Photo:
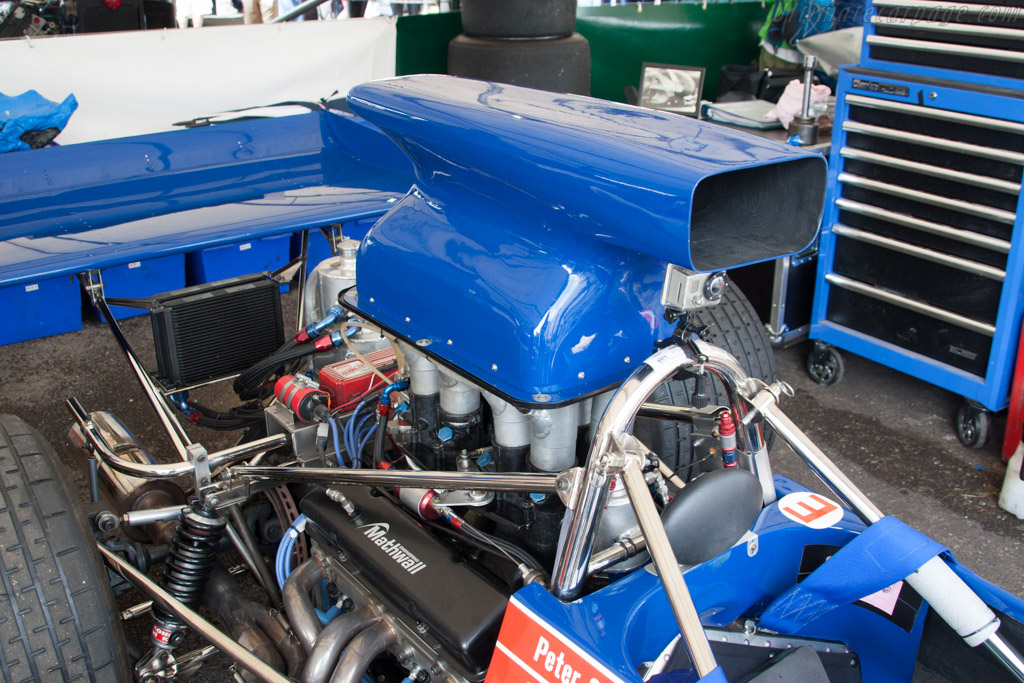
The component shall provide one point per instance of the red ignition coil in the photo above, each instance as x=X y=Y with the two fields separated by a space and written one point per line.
x=307 y=402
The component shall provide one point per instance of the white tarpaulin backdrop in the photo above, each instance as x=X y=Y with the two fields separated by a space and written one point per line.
x=140 y=82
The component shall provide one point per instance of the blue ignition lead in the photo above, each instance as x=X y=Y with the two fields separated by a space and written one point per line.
x=337 y=446
x=350 y=430
x=283 y=560
x=358 y=442
x=283 y=564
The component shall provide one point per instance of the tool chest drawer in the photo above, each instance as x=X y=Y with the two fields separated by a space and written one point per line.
x=979 y=41
x=919 y=264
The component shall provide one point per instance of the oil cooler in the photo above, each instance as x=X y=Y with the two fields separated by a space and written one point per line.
x=216 y=329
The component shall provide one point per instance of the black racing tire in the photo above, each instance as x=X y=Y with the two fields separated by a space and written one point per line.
x=518 y=18
x=555 y=64
x=734 y=326
x=58 y=620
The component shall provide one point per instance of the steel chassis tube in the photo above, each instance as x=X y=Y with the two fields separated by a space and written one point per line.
x=252 y=559
x=818 y=462
x=578 y=545
x=211 y=633
x=175 y=431
x=658 y=546
x=613 y=554
x=165 y=471
x=473 y=481
x=300 y=324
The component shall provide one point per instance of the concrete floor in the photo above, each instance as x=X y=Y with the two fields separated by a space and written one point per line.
x=892 y=434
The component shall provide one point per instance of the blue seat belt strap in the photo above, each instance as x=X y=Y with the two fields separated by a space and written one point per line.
x=886 y=552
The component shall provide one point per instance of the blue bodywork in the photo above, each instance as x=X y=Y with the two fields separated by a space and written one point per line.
x=546 y=221
x=629 y=622
x=530 y=253
x=67 y=209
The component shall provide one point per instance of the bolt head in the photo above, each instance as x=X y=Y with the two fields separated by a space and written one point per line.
x=581 y=375
x=106 y=522
x=494 y=367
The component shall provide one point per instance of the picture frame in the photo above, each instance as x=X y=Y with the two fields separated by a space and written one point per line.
x=672 y=88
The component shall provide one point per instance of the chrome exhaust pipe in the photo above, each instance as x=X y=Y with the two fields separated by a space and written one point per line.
x=362 y=651
x=297 y=604
x=334 y=638
x=130 y=494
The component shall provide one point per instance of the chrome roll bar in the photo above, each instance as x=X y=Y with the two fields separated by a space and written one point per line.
x=577 y=545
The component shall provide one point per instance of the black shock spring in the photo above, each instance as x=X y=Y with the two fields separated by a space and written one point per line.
x=192 y=554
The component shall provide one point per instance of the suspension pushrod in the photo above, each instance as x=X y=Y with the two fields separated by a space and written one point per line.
x=201 y=626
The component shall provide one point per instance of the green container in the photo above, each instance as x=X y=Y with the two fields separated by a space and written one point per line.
x=622 y=38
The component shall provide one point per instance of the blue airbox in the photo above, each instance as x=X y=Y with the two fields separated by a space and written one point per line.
x=532 y=249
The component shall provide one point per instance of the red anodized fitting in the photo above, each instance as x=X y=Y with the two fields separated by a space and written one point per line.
x=727 y=437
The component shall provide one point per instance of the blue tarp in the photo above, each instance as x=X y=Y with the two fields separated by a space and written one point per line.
x=30 y=111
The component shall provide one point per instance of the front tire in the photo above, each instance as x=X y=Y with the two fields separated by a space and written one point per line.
x=733 y=325
x=58 y=620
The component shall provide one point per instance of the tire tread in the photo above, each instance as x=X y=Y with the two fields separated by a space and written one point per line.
x=732 y=324
x=49 y=574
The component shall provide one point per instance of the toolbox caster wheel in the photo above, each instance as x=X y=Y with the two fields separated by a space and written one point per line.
x=973 y=424
x=825 y=365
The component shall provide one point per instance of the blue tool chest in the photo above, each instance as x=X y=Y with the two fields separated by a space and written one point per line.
x=920 y=264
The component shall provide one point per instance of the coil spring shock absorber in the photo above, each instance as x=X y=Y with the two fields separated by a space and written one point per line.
x=192 y=554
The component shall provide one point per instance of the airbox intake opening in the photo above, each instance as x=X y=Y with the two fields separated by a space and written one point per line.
x=755 y=214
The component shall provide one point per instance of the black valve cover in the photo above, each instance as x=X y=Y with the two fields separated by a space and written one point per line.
x=401 y=560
